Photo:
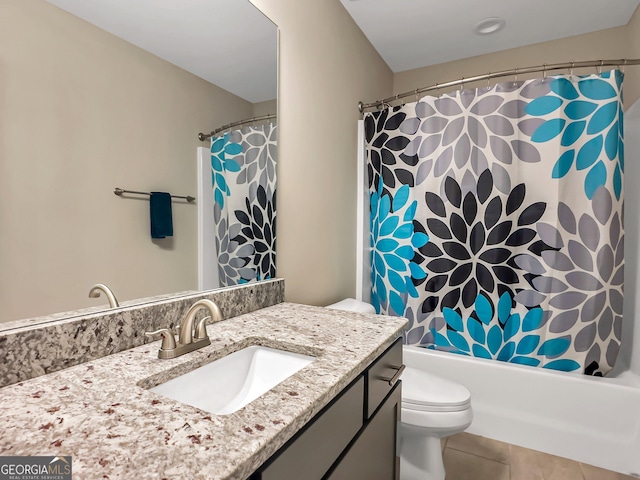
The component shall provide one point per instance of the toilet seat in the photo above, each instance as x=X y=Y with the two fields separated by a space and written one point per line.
x=425 y=392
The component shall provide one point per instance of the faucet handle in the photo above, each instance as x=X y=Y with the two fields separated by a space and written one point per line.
x=168 y=340
x=201 y=328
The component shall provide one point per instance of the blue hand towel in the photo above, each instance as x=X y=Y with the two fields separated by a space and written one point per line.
x=161 y=219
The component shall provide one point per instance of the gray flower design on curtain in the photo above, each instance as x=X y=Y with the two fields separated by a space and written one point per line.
x=243 y=171
x=496 y=220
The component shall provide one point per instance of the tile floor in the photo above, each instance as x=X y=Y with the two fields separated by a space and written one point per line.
x=470 y=457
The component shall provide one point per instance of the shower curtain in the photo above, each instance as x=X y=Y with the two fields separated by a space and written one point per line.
x=496 y=220
x=243 y=173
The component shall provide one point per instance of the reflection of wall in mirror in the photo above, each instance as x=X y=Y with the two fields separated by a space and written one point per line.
x=83 y=112
x=269 y=107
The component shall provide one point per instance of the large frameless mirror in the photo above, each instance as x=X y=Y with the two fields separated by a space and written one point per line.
x=112 y=94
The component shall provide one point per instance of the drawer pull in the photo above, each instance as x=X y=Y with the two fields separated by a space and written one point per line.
x=396 y=376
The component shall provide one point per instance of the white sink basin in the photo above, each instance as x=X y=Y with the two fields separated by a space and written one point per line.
x=228 y=384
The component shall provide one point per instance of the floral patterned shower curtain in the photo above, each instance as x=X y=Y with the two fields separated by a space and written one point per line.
x=497 y=220
x=243 y=171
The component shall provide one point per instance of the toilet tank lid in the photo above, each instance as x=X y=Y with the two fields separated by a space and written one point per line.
x=353 y=305
x=422 y=388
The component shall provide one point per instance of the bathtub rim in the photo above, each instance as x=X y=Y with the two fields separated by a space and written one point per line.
x=623 y=378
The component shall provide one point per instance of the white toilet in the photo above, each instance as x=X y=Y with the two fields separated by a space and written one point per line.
x=432 y=408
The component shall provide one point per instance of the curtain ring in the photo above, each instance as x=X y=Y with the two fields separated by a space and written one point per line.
x=461 y=83
x=544 y=72
x=623 y=65
x=488 y=78
x=515 y=78
x=571 y=69
x=438 y=90
x=599 y=68
x=417 y=95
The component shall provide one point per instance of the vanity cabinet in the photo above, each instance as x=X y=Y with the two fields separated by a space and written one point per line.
x=373 y=455
x=317 y=446
x=354 y=437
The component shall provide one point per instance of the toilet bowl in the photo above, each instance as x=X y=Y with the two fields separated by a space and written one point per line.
x=432 y=408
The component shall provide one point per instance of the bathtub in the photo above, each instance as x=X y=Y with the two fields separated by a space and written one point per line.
x=590 y=420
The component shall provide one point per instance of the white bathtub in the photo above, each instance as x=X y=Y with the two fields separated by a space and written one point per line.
x=590 y=420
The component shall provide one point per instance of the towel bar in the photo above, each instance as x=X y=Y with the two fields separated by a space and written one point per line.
x=120 y=191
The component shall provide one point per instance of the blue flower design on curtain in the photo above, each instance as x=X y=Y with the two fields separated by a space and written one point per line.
x=508 y=201
x=243 y=169
x=500 y=334
x=590 y=129
x=393 y=240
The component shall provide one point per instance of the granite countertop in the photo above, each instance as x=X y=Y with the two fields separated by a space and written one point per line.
x=102 y=414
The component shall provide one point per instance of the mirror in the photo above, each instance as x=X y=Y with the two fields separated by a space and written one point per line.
x=88 y=104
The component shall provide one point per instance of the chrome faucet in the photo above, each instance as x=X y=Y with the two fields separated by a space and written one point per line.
x=100 y=287
x=188 y=339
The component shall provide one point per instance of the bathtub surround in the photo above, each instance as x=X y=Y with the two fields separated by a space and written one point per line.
x=33 y=348
x=496 y=220
x=101 y=413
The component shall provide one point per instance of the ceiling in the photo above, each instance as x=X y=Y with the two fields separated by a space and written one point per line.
x=232 y=44
x=410 y=34
x=229 y=43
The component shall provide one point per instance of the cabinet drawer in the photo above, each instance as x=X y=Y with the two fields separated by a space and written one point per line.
x=317 y=447
x=379 y=374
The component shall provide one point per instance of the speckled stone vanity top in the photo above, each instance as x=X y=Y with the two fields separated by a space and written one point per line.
x=102 y=414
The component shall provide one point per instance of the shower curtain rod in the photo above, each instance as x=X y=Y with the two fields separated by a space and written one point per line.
x=202 y=137
x=504 y=73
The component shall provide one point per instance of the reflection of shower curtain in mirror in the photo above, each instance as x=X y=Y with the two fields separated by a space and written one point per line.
x=243 y=170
